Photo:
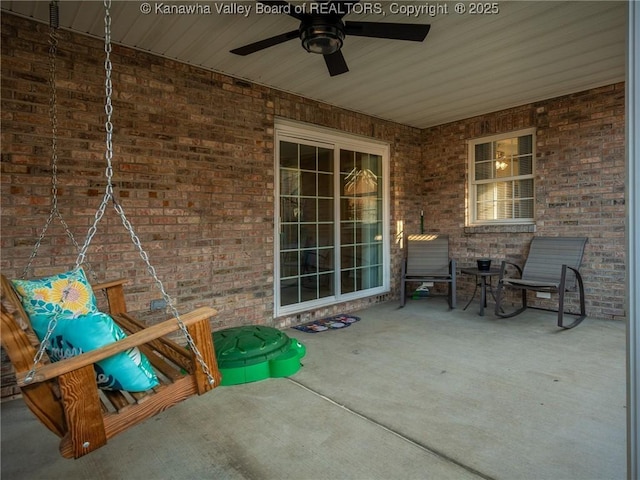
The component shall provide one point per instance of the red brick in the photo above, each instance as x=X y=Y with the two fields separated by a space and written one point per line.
x=193 y=169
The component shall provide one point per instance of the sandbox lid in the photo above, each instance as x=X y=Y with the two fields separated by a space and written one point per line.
x=251 y=353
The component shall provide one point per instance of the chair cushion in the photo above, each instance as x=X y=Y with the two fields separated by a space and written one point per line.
x=80 y=328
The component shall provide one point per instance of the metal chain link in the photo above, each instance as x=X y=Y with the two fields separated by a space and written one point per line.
x=51 y=326
x=53 y=118
x=109 y=196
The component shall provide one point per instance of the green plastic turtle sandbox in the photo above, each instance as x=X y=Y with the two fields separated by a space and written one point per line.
x=252 y=353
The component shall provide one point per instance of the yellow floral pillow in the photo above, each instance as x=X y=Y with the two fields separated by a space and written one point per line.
x=66 y=295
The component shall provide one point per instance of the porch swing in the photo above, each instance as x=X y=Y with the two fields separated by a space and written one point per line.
x=86 y=394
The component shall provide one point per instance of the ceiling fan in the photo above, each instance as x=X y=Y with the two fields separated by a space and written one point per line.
x=322 y=30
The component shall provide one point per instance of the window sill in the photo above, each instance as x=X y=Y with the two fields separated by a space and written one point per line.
x=521 y=228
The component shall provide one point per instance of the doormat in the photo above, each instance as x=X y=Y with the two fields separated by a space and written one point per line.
x=330 y=323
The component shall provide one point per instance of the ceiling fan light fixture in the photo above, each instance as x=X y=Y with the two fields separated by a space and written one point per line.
x=322 y=39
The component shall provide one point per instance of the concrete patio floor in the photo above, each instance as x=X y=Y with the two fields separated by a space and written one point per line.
x=414 y=393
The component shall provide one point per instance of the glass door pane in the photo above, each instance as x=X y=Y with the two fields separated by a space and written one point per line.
x=361 y=235
x=307 y=266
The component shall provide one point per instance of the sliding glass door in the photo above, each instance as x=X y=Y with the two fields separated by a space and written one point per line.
x=331 y=240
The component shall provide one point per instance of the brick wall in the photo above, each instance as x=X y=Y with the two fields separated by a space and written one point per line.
x=194 y=170
x=580 y=175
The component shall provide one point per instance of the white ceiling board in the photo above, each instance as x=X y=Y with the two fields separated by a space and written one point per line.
x=468 y=65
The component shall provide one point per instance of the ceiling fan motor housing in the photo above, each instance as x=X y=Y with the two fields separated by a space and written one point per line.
x=320 y=36
x=322 y=31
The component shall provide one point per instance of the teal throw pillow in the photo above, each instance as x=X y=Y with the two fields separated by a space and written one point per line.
x=129 y=370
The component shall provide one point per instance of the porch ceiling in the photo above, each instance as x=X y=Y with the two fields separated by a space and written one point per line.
x=468 y=65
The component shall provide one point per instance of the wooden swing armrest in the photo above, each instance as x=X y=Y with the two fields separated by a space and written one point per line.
x=115 y=295
x=153 y=332
x=110 y=284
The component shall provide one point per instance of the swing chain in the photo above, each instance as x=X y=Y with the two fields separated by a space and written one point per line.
x=152 y=271
x=53 y=118
x=109 y=196
x=51 y=326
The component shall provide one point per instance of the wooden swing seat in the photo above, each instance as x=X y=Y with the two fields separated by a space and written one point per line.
x=64 y=395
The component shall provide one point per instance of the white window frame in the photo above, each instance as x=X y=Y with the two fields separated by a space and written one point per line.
x=473 y=183
x=287 y=130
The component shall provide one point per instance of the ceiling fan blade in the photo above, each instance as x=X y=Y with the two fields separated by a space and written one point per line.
x=266 y=43
x=285 y=6
x=393 y=31
x=336 y=63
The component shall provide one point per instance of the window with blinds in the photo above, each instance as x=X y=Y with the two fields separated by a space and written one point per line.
x=501 y=179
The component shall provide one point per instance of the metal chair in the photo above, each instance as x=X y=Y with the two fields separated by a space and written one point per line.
x=428 y=261
x=552 y=266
